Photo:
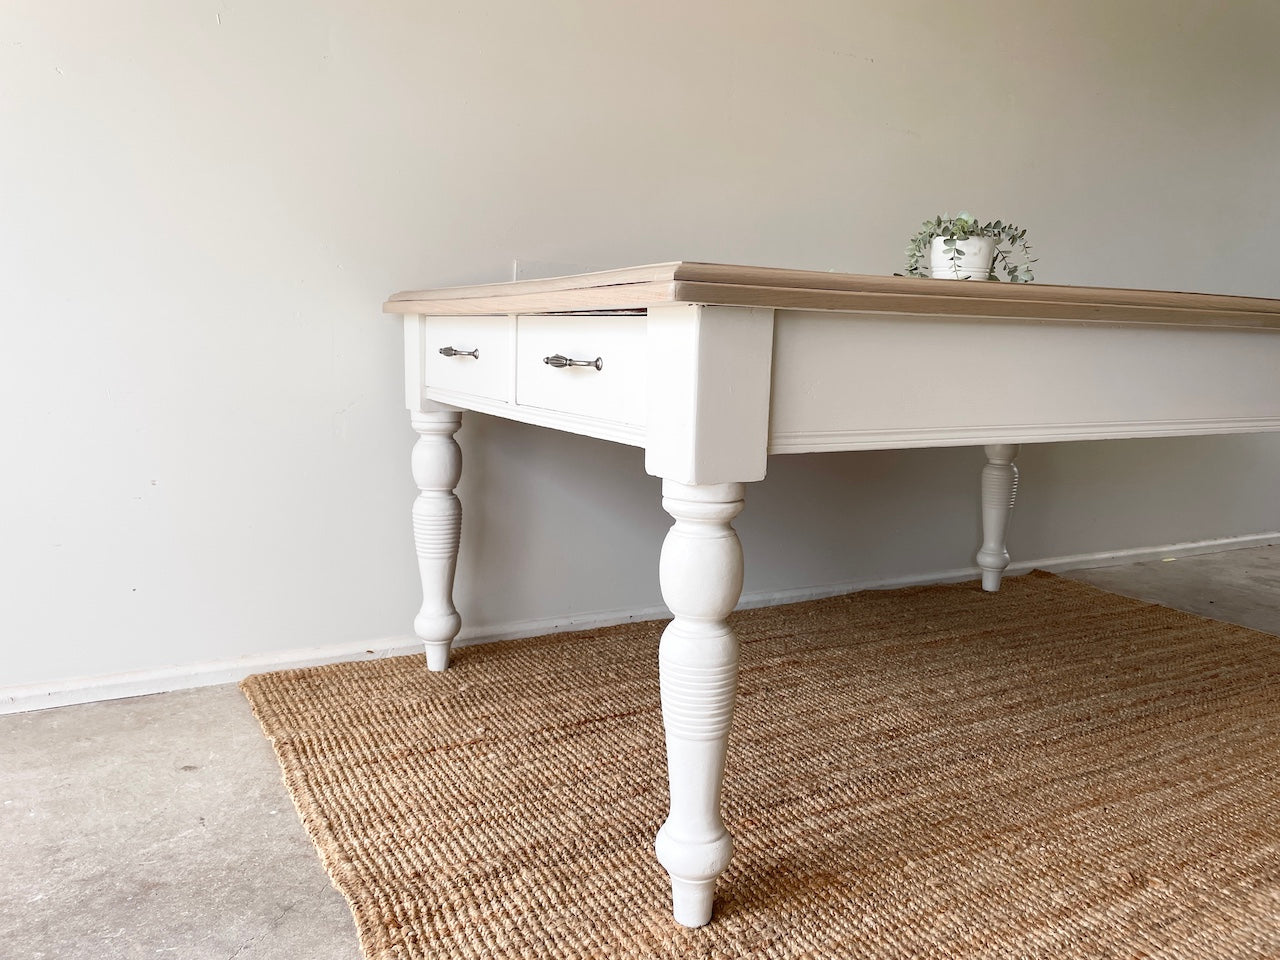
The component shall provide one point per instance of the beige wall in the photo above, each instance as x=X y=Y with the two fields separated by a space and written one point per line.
x=205 y=203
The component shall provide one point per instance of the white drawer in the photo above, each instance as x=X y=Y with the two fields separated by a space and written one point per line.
x=491 y=374
x=614 y=392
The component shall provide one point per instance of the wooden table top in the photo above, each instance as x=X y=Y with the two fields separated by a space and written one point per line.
x=632 y=288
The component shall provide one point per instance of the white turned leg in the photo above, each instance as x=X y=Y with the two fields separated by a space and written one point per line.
x=999 y=489
x=437 y=525
x=701 y=577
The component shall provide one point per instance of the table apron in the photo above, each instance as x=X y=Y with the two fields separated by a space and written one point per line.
x=844 y=382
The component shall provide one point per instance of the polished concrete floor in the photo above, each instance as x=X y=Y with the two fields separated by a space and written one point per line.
x=159 y=827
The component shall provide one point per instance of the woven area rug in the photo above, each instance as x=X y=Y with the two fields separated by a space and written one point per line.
x=1050 y=771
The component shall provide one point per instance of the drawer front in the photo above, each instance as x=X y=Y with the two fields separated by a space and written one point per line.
x=491 y=374
x=614 y=392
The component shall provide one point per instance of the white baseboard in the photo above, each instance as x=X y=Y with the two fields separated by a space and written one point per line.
x=1110 y=558
x=1104 y=558
x=73 y=690
x=137 y=683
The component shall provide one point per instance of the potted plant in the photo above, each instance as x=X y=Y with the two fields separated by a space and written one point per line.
x=961 y=248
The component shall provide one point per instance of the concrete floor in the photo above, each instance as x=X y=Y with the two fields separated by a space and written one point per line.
x=159 y=826
x=1239 y=586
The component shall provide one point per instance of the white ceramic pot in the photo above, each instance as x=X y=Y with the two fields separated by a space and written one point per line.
x=979 y=252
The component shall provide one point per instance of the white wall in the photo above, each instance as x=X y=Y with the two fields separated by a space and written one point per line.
x=204 y=204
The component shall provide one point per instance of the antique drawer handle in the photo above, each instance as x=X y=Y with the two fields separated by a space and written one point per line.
x=454 y=352
x=559 y=360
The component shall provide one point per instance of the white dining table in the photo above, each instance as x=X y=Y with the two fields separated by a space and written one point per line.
x=712 y=369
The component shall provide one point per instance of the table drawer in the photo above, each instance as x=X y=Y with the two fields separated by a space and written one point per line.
x=614 y=392
x=491 y=374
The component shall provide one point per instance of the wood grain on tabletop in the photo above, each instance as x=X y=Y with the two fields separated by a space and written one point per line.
x=680 y=281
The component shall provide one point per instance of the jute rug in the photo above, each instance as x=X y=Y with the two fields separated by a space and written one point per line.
x=1051 y=771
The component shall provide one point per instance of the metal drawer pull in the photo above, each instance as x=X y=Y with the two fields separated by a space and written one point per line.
x=560 y=360
x=452 y=352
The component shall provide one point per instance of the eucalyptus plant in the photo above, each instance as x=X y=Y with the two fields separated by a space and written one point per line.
x=1013 y=253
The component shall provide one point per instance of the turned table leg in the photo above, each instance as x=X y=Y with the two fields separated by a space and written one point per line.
x=701 y=577
x=437 y=525
x=999 y=489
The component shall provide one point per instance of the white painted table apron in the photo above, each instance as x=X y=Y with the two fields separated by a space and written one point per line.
x=711 y=368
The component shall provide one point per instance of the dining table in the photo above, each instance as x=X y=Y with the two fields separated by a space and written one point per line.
x=712 y=369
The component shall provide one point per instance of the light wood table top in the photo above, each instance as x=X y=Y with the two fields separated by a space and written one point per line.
x=633 y=288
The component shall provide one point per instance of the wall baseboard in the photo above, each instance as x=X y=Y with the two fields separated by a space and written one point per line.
x=73 y=690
